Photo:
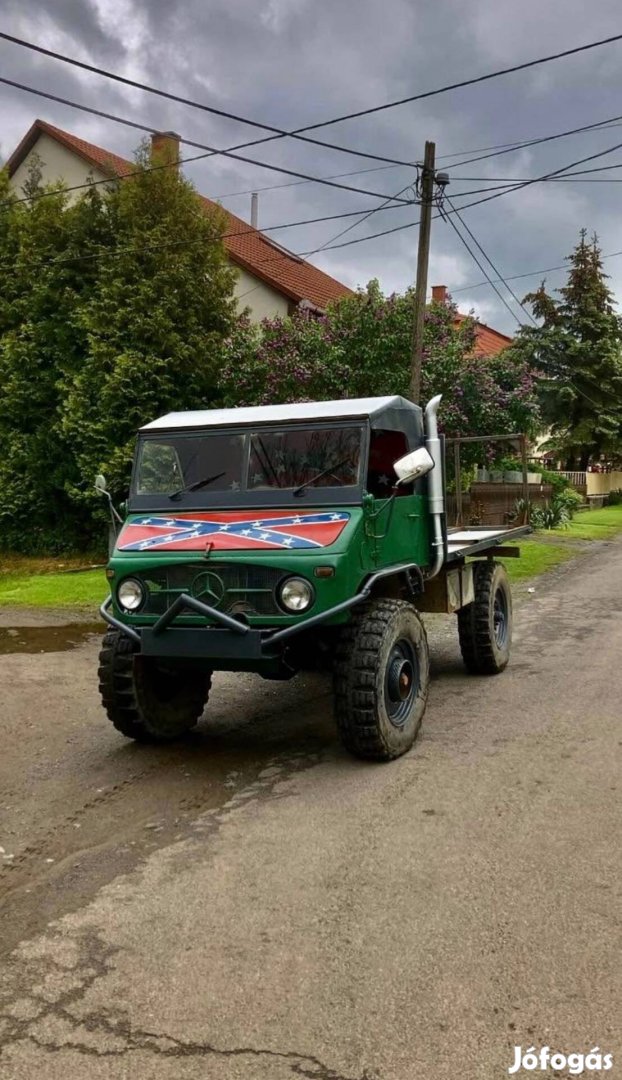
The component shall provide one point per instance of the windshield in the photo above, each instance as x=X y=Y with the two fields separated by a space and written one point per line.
x=170 y=465
x=196 y=466
x=293 y=458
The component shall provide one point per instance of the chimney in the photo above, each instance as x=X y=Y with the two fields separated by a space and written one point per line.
x=439 y=294
x=254 y=209
x=165 y=148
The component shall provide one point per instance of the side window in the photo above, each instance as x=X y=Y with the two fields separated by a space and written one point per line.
x=159 y=469
x=385 y=447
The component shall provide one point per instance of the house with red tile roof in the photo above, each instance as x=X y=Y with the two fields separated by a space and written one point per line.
x=488 y=342
x=271 y=280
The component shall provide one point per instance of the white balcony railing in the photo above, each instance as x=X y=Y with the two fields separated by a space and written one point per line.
x=577 y=479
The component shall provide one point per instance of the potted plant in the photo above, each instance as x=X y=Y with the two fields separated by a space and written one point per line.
x=512 y=470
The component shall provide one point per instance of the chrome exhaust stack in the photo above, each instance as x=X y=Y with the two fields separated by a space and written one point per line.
x=436 y=494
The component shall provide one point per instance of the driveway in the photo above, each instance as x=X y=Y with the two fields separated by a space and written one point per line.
x=253 y=903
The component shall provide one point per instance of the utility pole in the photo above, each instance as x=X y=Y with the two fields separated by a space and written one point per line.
x=423 y=256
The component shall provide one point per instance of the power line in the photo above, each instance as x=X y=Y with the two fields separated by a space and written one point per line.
x=482 y=268
x=302 y=178
x=51 y=193
x=186 y=161
x=108 y=180
x=212 y=151
x=301 y=183
x=531 y=273
x=546 y=176
x=507 y=182
x=522 y=179
x=506 y=189
x=490 y=262
x=463 y=83
x=226 y=236
x=355 y=224
x=517 y=144
x=510 y=148
x=277 y=133
x=385 y=232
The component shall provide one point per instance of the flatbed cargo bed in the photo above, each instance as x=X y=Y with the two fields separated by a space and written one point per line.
x=475 y=539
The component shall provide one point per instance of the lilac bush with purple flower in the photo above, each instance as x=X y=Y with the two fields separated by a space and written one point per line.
x=361 y=348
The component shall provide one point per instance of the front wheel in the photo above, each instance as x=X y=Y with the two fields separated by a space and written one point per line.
x=382 y=675
x=147 y=699
x=485 y=626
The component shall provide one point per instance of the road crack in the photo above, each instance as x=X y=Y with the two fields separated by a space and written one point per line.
x=53 y=1003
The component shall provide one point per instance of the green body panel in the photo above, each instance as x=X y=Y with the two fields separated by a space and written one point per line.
x=379 y=535
x=400 y=531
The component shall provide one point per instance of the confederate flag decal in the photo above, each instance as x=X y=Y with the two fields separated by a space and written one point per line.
x=230 y=530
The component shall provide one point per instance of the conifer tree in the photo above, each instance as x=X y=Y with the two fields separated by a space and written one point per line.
x=578 y=351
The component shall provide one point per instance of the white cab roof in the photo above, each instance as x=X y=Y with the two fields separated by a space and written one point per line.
x=271 y=414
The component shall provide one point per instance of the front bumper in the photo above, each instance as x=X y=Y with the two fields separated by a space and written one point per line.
x=231 y=639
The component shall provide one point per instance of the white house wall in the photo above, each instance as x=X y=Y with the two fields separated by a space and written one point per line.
x=263 y=301
x=59 y=163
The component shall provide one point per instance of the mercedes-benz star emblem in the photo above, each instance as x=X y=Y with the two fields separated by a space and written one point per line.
x=209 y=588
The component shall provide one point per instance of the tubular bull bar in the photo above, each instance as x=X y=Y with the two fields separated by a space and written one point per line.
x=232 y=638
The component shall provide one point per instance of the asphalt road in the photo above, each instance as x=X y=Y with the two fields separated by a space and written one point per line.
x=254 y=904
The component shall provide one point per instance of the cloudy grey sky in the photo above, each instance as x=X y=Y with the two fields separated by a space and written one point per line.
x=296 y=62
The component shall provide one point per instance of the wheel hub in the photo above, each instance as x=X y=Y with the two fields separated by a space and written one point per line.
x=401 y=681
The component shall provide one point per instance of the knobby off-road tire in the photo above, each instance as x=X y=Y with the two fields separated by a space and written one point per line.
x=485 y=626
x=147 y=699
x=382 y=676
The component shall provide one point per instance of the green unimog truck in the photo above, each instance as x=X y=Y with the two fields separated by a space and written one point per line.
x=285 y=538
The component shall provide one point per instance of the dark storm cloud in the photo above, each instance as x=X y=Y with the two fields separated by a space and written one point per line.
x=293 y=62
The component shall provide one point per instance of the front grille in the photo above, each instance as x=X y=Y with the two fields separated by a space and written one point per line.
x=228 y=587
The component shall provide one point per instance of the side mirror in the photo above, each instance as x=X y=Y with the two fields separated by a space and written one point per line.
x=413 y=465
x=100 y=486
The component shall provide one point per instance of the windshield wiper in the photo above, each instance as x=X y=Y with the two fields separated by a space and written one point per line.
x=197 y=484
x=318 y=476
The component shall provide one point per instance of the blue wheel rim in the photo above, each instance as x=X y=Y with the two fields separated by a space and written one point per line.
x=500 y=615
x=401 y=682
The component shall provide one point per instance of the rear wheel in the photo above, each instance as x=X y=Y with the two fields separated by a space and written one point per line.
x=147 y=699
x=382 y=675
x=485 y=626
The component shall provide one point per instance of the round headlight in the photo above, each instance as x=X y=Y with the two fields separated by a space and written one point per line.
x=131 y=594
x=296 y=594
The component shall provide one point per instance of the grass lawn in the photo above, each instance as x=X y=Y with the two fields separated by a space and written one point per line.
x=549 y=548
x=29 y=582
x=595 y=524
x=536 y=557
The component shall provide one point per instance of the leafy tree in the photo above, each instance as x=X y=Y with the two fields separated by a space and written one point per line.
x=577 y=350
x=162 y=301
x=112 y=308
x=46 y=273
x=362 y=346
